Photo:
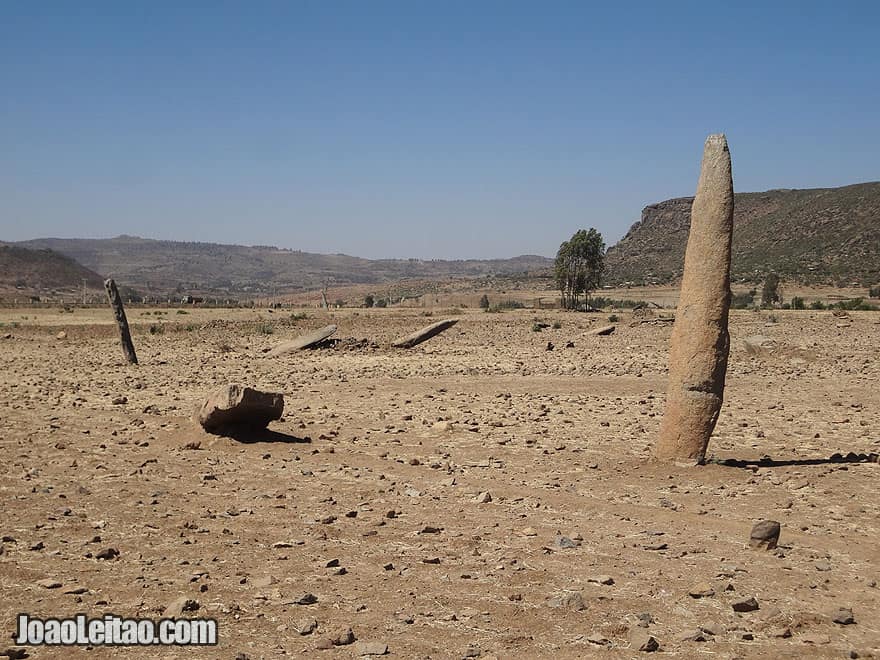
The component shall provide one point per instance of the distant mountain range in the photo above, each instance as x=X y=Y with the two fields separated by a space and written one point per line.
x=165 y=266
x=38 y=270
x=823 y=235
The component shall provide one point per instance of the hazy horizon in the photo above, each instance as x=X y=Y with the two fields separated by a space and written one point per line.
x=392 y=130
x=376 y=258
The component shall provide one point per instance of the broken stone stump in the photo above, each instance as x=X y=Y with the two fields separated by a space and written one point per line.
x=238 y=406
x=700 y=340
x=121 y=321
x=303 y=341
x=424 y=334
x=765 y=535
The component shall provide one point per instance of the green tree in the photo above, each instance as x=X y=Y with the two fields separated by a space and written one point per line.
x=770 y=292
x=369 y=301
x=484 y=302
x=580 y=263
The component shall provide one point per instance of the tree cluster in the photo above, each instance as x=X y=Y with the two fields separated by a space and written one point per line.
x=580 y=263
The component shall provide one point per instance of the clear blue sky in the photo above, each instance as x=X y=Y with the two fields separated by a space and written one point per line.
x=417 y=129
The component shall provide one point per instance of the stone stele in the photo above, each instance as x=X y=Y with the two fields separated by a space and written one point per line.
x=700 y=341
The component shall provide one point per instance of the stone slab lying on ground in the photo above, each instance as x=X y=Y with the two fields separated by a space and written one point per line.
x=424 y=334
x=303 y=341
x=604 y=330
x=236 y=405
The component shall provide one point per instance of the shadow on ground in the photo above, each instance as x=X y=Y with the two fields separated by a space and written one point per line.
x=249 y=434
x=766 y=461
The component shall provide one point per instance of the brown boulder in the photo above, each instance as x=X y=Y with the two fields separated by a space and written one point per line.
x=239 y=406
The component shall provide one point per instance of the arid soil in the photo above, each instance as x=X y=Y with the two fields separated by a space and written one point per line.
x=485 y=496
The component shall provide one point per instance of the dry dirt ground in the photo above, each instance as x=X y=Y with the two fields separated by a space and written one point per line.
x=380 y=467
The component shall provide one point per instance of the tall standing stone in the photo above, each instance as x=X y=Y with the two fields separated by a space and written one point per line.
x=700 y=341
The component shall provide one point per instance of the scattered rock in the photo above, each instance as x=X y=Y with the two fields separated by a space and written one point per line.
x=178 y=607
x=844 y=617
x=765 y=535
x=712 y=629
x=645 y=619
x=343 y=638
x=236 y=405
x=304 y=599
x=61 y=335
x=306 y=626
x=607 y=580
x=694 y=636
x=49 y=583
x=598 y=640
x=75 y=591
x=745 y=605
x=107 y=554
x=565 y=542
x=641 y=640
x=701 y=590
x=483 y=498
x=371 y=648
x=568 y=600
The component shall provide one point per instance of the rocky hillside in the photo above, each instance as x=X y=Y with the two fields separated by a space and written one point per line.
x=823 y=235
x=164 y=266
x=41 y=270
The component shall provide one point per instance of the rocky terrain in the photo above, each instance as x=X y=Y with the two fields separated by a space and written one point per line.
x=478 y=495
x=825 y=235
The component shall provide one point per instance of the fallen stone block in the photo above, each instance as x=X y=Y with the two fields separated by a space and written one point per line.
x=424 y=334
x=303 y=341
x=239 y=406
x=604 y=330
